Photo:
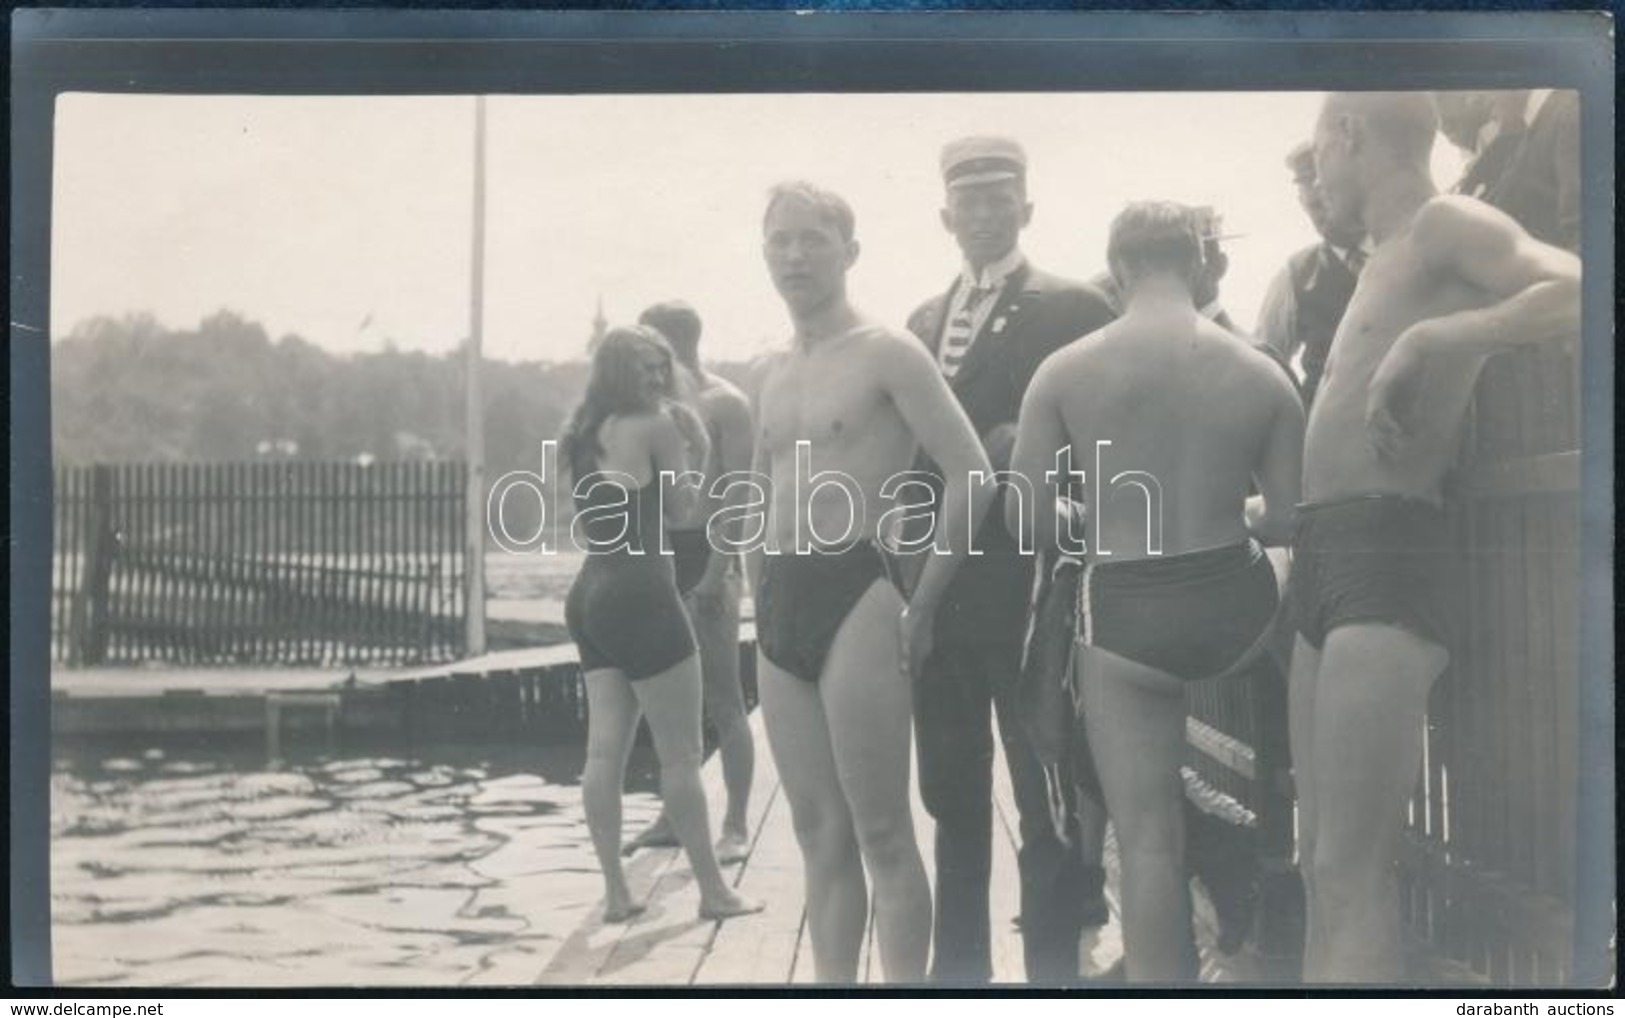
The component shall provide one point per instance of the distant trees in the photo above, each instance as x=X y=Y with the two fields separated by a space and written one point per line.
x=129 y=389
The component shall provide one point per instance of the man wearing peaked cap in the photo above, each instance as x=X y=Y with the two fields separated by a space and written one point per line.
x=982 y=160
x=989 y=330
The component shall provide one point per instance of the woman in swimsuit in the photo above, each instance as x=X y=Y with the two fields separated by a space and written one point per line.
x=624 y=445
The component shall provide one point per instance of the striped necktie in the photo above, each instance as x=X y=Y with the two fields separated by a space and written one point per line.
x=961 y=330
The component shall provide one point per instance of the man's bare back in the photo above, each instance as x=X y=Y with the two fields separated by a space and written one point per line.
x=829 y=399
x=1180 y=399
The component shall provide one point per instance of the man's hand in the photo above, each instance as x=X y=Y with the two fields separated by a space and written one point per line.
x=713 y=585
x=916 y=631
x=1390 y=407
x=692 y=428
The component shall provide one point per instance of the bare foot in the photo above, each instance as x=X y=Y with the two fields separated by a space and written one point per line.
x=731 y=903
x=623 y=911
x=732 y=848
x=656 y=835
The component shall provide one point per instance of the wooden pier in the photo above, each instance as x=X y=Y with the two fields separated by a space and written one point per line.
x=668 y=945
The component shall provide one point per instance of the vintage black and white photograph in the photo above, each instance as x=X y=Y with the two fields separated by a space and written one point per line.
x=1071 y=537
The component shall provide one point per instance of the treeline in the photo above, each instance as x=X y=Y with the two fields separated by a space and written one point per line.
x=132 y=390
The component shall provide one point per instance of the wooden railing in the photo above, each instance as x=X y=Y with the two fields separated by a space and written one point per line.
x=1489 y=877
x=293 y=563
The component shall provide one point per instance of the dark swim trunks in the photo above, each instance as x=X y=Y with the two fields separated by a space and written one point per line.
x=1200 y=615
x=691 y=553
x=803 y=599
x=1377 y=558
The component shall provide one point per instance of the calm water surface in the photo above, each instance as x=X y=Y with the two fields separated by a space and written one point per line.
x=201 y=863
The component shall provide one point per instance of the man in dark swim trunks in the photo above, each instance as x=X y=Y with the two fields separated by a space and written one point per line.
x=841 y=414
x=1450 y=282
x=709 y=580
x=989 y=331
x=1211 y=860
x=1172 y=419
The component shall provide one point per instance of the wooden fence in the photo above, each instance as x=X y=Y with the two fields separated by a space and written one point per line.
x=1489 y=878
x=1488 y=874
x=284 y=563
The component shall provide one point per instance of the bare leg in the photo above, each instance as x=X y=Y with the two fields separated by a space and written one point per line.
x=1371 y=697
x=868 y=702
x=716 y=630
x=1092 y=848
x=837 y=897
x=1136 y=723
x=1300 y=722
x=671 y=701
x=612 y=724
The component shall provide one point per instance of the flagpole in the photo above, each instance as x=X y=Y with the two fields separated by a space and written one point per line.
x=474 y=409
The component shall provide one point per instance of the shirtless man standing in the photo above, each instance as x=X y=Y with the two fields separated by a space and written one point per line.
x=1450 y=282
x=841 y=413
x=1173 y=420
x=708 y=577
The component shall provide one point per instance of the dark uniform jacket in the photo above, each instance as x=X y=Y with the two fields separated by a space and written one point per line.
x=1035 y=315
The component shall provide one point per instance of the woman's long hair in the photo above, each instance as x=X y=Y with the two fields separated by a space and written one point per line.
x=614 y=387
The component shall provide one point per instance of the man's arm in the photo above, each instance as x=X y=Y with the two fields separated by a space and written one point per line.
x=926 y=404
x=760 y=468
x=731 y=419
x=1538 y=291
x=1040 y=435
x=1538 y=284
x=679 y=497
x=691 y=428
x=1279 y=475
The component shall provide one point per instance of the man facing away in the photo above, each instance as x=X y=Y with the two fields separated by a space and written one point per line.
x=1450 y=282
x=841 y=415
x=1172 y=420
x=708 y=576
x=1306 y=301
x=989 y=332
x=1215 y=263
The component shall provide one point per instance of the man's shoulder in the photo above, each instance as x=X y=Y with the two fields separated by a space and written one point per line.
x=1447 y=210
x=1447 y=223
x=889 y=353
x=1258 y=364
x=720 y=397
x=1087 y=355
x=883 y=339
x=921 y=320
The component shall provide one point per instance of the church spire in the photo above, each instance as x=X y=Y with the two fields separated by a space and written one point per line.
x=600 y=325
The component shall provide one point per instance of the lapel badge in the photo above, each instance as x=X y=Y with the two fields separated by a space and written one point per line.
x=998 y=325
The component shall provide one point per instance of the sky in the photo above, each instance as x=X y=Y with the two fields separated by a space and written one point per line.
x=347 y=220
